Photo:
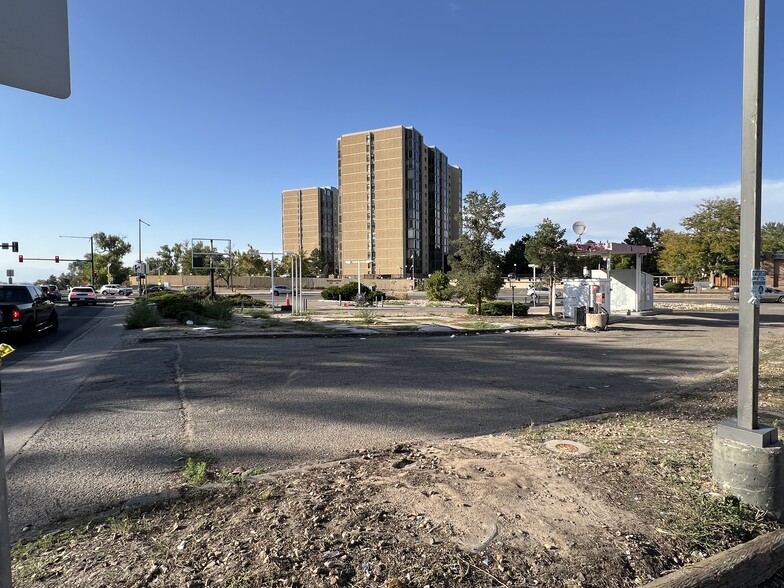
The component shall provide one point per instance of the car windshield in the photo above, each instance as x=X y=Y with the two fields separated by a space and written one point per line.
x=82 y=289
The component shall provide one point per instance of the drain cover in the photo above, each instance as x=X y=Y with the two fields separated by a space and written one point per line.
x=567 y=447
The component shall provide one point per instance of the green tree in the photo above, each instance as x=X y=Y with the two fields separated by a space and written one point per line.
x=548 y=249
x=475 y=265
x=438 y=287
x=109 y=251
x=168 y=259
x=514 y=260
x=715 y=229
x=680 y=255
x=251 y=263
x=772 y=237
x=647 y=237
x=320 y=264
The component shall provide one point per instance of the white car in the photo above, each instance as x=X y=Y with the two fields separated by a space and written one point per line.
x=542 y=292
x=82 y=295
x=278 y=290
x=114 y=289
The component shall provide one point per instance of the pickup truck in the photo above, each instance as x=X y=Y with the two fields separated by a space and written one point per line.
x=25 y=311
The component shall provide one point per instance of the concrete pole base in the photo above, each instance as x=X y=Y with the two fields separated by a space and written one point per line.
x=753 y=473
x=596 y=321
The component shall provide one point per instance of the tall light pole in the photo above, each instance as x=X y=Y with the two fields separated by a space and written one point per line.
x=140 y=254
x=92 y=254
x=515 y=271
x=359 y=263
x=748 y=458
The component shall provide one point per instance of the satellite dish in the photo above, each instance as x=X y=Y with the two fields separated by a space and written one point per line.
x=579 y=228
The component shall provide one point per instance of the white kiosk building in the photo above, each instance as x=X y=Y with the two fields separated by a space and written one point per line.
x=614 y=292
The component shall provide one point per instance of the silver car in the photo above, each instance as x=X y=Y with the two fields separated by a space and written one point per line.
x=772 y=295
x=114 y=289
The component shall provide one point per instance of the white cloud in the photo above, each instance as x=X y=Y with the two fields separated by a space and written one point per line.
x=610 y=215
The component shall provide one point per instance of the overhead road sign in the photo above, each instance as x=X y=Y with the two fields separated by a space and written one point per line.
x=34 y=52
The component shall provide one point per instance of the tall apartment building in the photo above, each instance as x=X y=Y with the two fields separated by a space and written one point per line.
x=398 y=201
x=310 y=221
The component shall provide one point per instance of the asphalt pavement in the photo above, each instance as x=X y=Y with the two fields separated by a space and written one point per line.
x=123 y=411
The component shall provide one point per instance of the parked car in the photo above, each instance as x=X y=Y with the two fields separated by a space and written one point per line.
x=82 y=295
x=735 y=293
x=25 y=311
x=115 y=289
x=278 y=290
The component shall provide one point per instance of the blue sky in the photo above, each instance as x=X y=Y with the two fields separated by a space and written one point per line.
x=195 y=115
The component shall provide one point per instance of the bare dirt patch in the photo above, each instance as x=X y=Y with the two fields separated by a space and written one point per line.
x=633 y=501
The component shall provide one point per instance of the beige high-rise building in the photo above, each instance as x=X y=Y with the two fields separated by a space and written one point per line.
x=398 y=200
x=310 y=222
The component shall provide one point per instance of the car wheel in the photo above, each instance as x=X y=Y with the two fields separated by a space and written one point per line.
x=781 y=298
x=54 y=322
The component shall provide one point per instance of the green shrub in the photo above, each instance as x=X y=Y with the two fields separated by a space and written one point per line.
x=330 y=293
x=219 y=310
x=140 y=316
x=348 y=291
x=500 y=308
x=437 y=286
x=174 y=305
x=243 y=300
x=674 y=287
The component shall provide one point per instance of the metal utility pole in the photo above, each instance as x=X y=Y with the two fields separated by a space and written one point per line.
x=359 y=263
x=750 y=204
x=139 y=275
x=748 y=458
x=92 y=255
x=272 y=255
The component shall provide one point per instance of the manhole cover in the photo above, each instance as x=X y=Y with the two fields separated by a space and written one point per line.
x=567 y=447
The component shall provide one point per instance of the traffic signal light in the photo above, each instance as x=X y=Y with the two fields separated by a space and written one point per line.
x=57 y=259
x=21 y=258
x=15 y=246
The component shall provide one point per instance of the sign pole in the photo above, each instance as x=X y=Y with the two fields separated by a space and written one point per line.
x=748 y=458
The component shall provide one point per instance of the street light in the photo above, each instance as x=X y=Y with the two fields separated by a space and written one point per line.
x=140 y=255
x=359 y=263
x=515 y=271
x=92 y=254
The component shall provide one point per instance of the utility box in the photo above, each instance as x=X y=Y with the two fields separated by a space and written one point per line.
x=580 y=293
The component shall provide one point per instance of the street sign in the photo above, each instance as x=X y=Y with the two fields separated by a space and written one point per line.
x=34 y=53
x=758 y=278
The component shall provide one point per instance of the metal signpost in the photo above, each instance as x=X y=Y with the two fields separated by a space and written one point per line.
x=212 y=254
x=748 y=458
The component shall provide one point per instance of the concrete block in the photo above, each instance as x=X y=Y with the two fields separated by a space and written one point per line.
x=754 y=474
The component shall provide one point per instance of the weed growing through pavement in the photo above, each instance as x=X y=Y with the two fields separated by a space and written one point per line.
x=195 y=471
x=367 y=317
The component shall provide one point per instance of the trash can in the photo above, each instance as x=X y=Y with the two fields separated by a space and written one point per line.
x=579 y=316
